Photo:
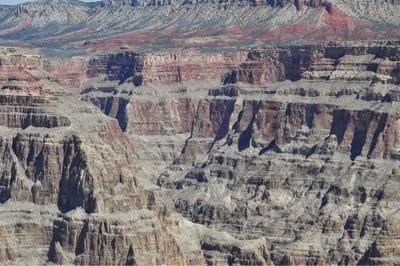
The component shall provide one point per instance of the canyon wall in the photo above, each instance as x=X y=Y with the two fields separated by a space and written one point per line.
x=193 y=132
x=284 y=155
x=296 y=146
x=68 y=189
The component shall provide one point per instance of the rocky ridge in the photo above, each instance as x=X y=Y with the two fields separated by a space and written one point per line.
x=258 y=150
x=112 y=25
x=269 y=155
x=64 y=190
x=284 y=148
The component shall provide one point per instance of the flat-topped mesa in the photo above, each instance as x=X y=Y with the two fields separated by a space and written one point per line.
x=375 y=63
x=152 y=68
x=24 y=93
x=53 y=169
x=22 y=74
x=193 y=109
x=21 y=110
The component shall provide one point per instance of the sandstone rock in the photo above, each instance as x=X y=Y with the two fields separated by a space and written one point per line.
x=279 y=152
x=286 y=154
x=80 y=187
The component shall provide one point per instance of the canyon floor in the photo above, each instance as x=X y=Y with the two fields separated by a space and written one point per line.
x=200 y=132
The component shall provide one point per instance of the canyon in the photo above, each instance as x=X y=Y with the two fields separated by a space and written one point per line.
x=200 y=132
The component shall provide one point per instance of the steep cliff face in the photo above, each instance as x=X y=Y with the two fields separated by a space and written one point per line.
x=68 y=189
x=349 y=62
x=293 y=149
x=371 y=61
x=131 y=141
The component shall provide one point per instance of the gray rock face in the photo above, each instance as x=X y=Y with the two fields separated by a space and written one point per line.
x=45 y=12
x=60 y=201
x=73 y=26
x=112 y=153
x=295 y=153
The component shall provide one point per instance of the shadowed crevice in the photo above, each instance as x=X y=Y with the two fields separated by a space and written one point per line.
x=227 y=110
x=269 y=147
x=378 y=132
x=360 y=134
x=245 y=137
x=357 y=143
x=122 y=115
x=80 y=244
x=339 y=124
x=310 y=114
x=130 y=258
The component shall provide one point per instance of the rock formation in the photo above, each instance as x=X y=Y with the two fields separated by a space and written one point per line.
x=287 y=145
x=84 y=182
x=255 y=133
x=112 y=25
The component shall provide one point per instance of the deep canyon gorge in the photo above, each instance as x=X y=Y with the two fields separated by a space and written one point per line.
x=180 y=132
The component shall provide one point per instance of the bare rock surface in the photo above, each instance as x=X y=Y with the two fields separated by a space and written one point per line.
x=200 y=132
x=64 y=191
x=73 y=26
x=292 y=149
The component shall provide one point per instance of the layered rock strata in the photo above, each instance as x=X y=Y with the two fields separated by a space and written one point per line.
x=75 y=26
x=285 y=155
x=294 y=147
x=68 y=188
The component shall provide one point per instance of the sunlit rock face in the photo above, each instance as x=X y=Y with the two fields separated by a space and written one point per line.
x=67 y=171
x=65 y=28
x=200 y=132
x=287 y=145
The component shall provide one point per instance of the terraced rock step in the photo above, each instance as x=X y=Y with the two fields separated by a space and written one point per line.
x=294 y=148
x=67 y=181
x=126 y=139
